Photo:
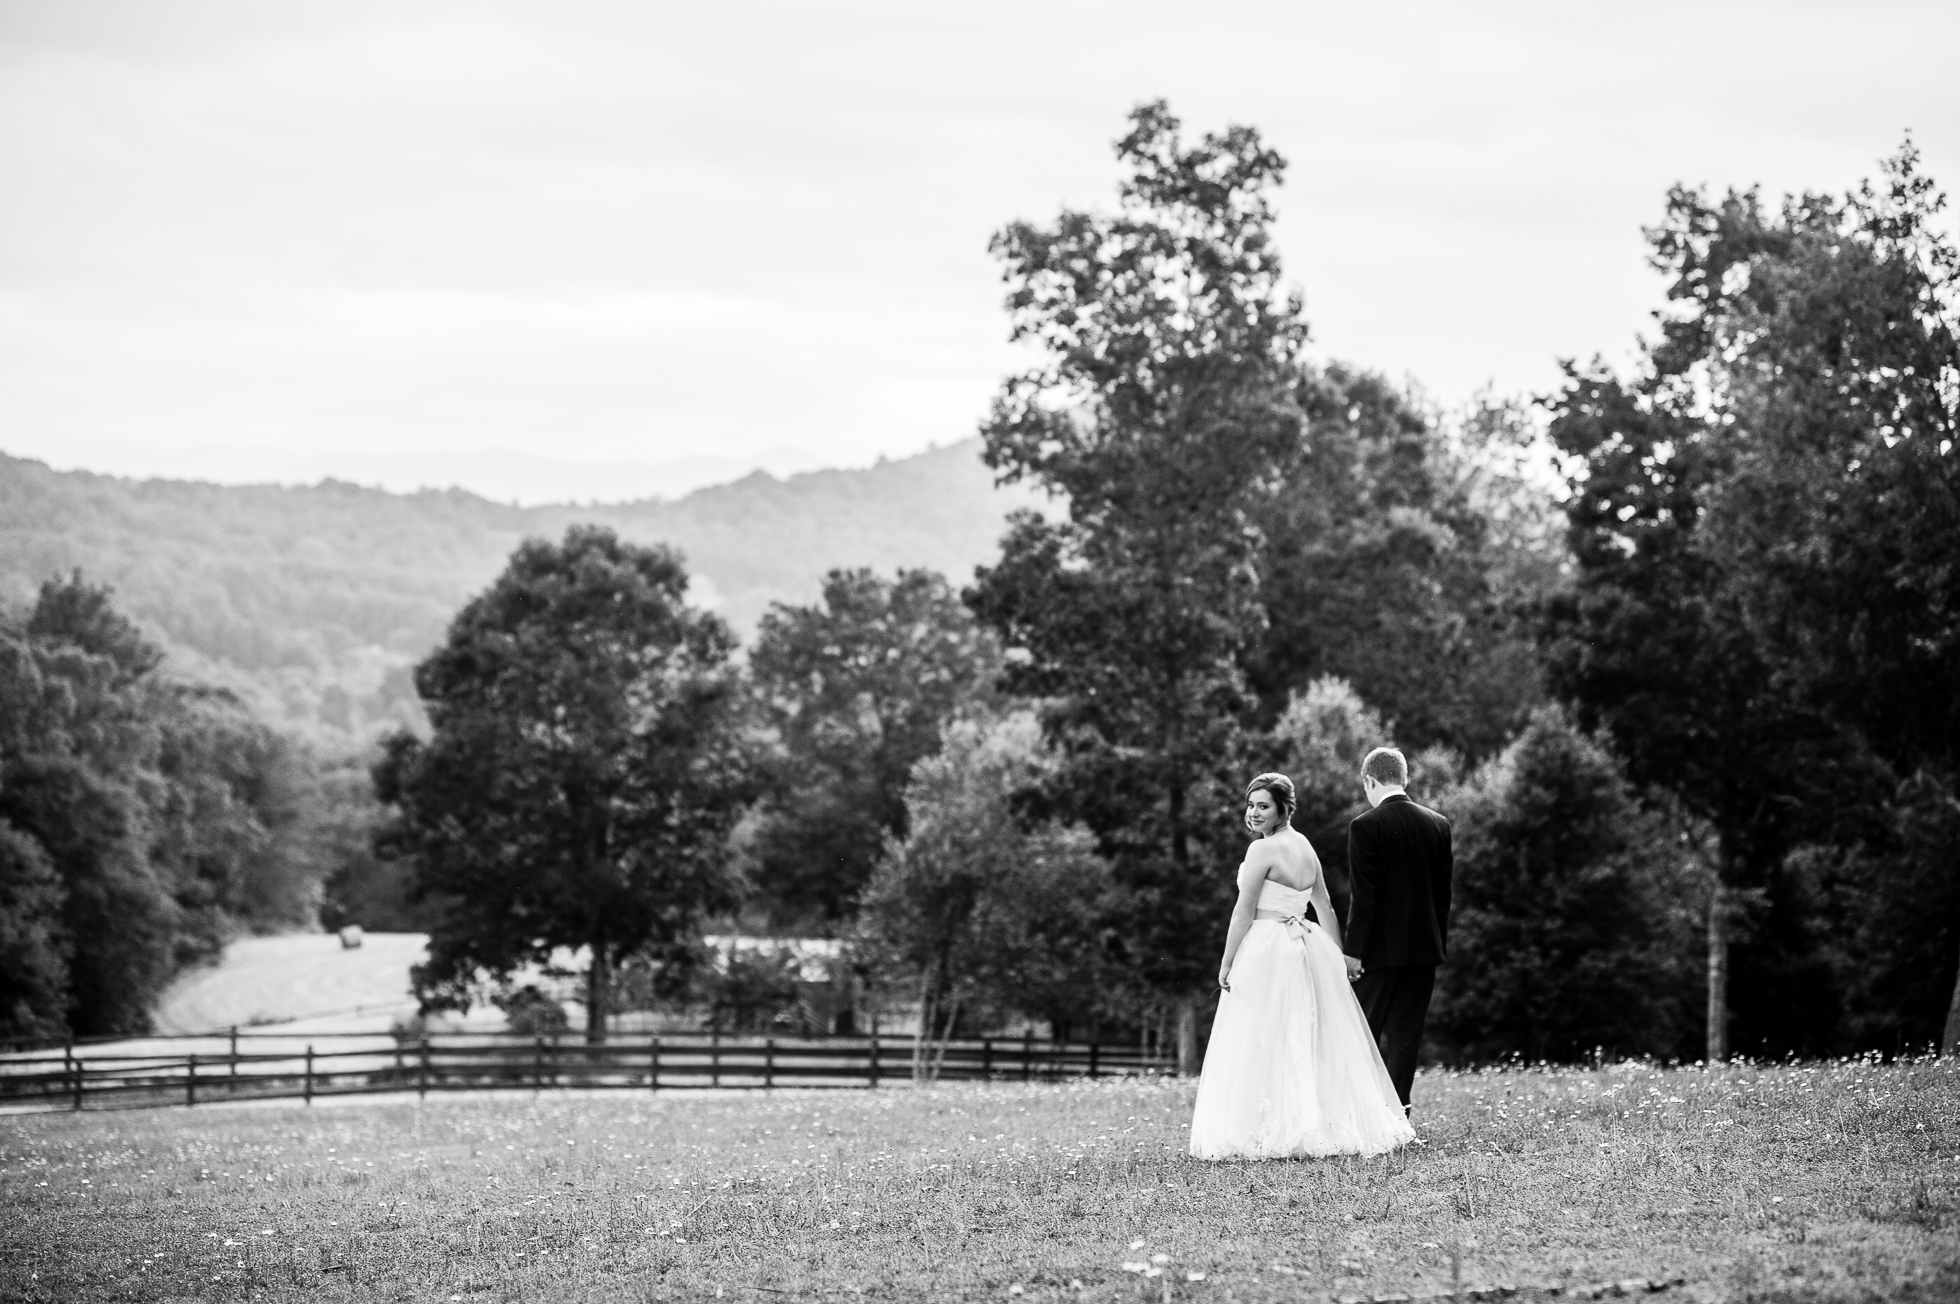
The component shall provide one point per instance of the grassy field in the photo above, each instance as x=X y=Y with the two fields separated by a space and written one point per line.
x=1824 y=1182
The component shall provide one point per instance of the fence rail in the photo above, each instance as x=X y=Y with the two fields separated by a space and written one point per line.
x=75 y=1079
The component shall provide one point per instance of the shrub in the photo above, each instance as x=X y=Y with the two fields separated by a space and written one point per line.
x=1575 y=913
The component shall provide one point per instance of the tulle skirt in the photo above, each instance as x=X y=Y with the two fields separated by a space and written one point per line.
x=1292 y=1069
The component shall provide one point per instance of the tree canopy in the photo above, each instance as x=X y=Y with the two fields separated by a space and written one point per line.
x=1160 y=413
x=1762 y=618
x=984 y=916
x=581 y=774
x=143 y=819
x=856 y=689
x=1575 y=912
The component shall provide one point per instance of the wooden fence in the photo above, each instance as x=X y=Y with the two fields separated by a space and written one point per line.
x=81 y=1077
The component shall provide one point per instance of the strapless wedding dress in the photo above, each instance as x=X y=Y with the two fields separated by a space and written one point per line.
x=1292 y=1068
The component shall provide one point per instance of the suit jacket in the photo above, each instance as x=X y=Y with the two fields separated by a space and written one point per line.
x=1399 y=864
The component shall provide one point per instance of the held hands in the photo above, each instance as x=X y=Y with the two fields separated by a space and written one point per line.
x=1354 y=968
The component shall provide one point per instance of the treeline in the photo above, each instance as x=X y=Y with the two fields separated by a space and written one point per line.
x=1765 y=614
x=1694 y=716
x=1019 y=799
x=312 y=602
x=143 y=820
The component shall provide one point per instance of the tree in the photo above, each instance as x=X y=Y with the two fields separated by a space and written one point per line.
x=1161 y=412
x=34 y=948
x=1764 y=614
x=1397 y=553
x=168 y=815
x=1574 y=912
x=582 y=773
x=362 y=888
x=239 y=823
x=120 y=915
x=985 y=916
x=1319 y=741
x=76 y=753
x=857 y=689
x=1652 y=644
x=1894 y=903
x=1829 y=334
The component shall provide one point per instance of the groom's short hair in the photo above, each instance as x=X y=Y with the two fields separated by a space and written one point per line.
x=1386 y=765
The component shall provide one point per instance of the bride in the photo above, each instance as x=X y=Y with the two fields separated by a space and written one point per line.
x=1292 y=1068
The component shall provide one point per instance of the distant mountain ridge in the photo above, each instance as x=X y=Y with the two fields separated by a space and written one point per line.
x=313 y=602
x=502 y=475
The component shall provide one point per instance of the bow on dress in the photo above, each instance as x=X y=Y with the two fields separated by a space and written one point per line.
x=1296 y=926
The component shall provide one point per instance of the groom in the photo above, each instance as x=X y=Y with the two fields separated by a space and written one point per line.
x=1399 y=861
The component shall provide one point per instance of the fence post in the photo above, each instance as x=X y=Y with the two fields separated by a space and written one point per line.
x=653 y=1069
x=874 y=1059
x=1027 y=1055
x=68 y=1058
x=1095 y=1048
x=80 y=1069
x=986 y=1059
x=537 y=1066
x=190 y=1082
x=422 y=1083
x=768 y=1061
x=309 y=1073
x=231 y=1059
x=714 y=1058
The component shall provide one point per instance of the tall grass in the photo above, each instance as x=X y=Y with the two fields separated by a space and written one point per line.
x=1830 y=1181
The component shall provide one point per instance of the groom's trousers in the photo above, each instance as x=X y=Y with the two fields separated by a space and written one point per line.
x=1396 y=1000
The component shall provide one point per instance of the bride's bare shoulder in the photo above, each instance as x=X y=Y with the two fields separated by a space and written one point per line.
x=1258 y=860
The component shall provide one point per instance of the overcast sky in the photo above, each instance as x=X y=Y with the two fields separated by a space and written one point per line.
x=275 y=240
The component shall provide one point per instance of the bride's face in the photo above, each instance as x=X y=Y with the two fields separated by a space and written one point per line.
x=1261 y=812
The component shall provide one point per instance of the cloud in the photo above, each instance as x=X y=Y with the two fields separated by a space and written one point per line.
x=605 y=232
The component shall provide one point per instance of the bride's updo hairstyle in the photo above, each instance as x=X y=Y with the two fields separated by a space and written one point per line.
x=1280 y=789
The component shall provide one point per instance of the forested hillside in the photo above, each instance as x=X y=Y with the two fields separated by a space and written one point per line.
x=313 y=602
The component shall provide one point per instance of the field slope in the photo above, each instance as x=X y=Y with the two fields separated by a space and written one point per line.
x=1831 y=1182
x=297 y=976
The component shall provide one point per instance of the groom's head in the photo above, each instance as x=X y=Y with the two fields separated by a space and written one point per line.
x=1383 y=771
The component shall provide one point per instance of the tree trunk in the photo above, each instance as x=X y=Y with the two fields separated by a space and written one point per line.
x=598 y=982
x=926 y=1012
x=939 y=1055
x=1718 y=972
x=1187 y=1036
x=1950 y=1039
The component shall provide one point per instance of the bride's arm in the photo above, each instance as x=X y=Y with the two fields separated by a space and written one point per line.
x=1251 y=875
x=1323 y=903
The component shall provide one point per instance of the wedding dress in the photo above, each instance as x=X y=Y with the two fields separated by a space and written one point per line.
x=1292 y=1068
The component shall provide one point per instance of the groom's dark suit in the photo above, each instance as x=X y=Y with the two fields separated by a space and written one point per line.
x=1399 y=861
